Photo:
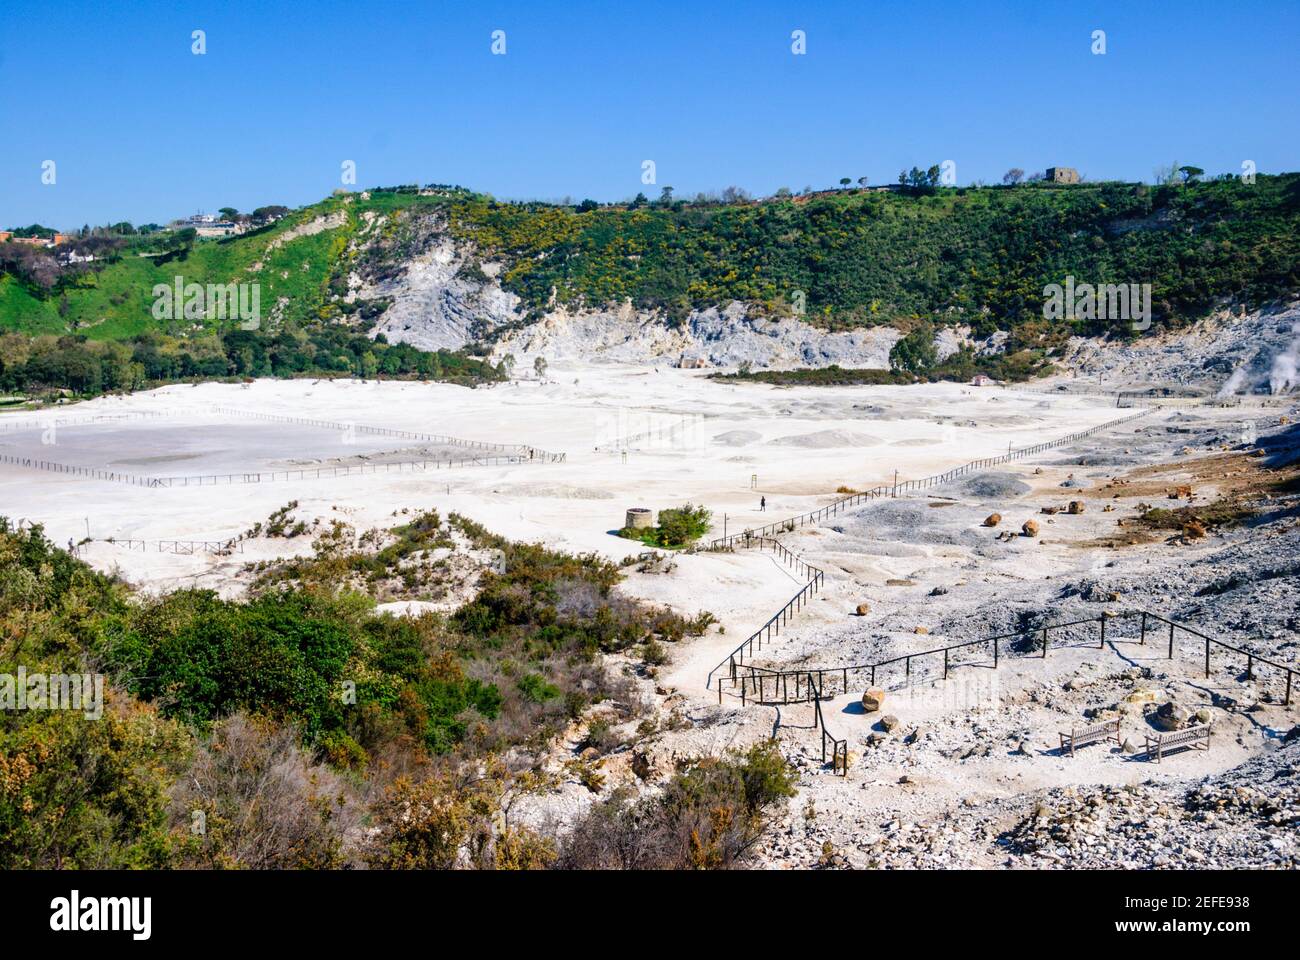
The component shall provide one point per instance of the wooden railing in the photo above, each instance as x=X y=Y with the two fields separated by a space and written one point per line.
x=755 y=640
x=892 y=490
x=770 y=686
x=522 y=450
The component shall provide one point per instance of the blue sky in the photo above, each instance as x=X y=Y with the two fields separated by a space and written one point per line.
x=142 y=129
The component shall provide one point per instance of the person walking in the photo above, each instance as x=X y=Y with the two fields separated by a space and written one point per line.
x=762 y=504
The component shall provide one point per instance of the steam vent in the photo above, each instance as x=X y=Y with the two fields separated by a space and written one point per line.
x=639 y=518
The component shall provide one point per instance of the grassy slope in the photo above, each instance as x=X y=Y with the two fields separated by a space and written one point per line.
x=116 y=301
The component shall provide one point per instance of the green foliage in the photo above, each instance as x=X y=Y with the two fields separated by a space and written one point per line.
x=914 y=353
x=923 y=253
x=978 y=256
x=678 y=527
x=88 y=367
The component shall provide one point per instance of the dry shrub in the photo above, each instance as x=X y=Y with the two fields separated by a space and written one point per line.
x=264 y=804
x=710 y=816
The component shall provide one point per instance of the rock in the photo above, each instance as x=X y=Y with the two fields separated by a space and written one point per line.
x=1127 y=747
x=1171 y=716
x=863 y=609
x=938 y=591
x=917 y=735
x=876 y=738
x=873 y=700
x=1024 y=749
x=889 y=723
x=1076 y=506
x=641 y=765
x=1051 y=511
x=1142 y=696
x=1030 y=528
x=921 y=630
x=1181 y=492
x=1038 y=471
x=1204 y=715
x=993 y=519
x=1194 y=530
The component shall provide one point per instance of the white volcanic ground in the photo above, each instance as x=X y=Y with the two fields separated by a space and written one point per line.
x=954 y=782
x=687 y=438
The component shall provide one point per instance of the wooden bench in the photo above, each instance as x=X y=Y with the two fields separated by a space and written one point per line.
x=1106 y=730
x=1197 y=737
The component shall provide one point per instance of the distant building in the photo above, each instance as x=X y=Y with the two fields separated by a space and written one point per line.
x=207 y=225
x=6 y=236
x=1062 y=175
x=981 y=380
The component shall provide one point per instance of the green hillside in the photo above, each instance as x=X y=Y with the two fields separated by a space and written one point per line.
x=980 y=256
x=909 y=257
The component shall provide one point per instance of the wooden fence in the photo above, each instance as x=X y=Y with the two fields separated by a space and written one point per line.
x=770 y=685
x=521 y=450
x=892 y=490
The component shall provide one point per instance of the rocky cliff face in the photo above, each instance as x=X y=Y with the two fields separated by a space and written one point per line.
x=442 y=296
x=726 y=337
x=1232 y=353
x=434 y=302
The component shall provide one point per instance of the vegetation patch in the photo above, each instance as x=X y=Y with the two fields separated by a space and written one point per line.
x=677 y=528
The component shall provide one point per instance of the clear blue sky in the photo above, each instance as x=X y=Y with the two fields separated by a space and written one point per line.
x=143 y=130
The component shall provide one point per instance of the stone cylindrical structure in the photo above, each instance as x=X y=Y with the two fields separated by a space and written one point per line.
x=639 y=518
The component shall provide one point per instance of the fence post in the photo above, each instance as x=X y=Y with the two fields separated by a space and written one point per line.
x=1102 y=645
x=945 y=663
x=995 y=653
x=1144 y=628
x=1044 y=643
x=1171 y=641
x=1207 y=658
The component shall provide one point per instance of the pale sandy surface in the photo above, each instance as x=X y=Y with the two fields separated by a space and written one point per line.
x=986 y=739
x=800 y=444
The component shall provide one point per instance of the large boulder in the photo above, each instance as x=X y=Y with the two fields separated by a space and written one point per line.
x=864 y=609
x=1030 y=528
x=993 y=519
x=889 y=723
x=873 y=700
x=1076 y=506
x=1170 y=716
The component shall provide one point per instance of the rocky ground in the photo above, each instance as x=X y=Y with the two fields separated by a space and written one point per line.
x=968 y=771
